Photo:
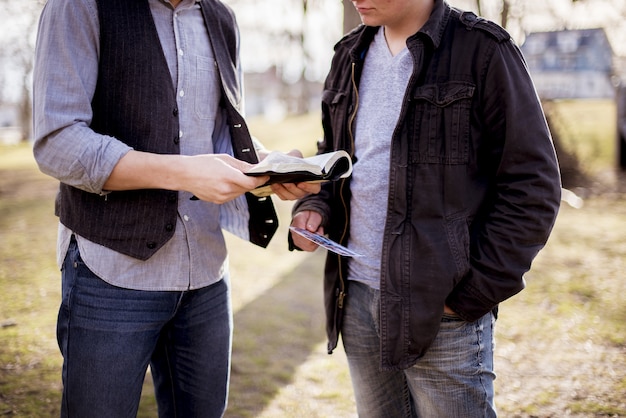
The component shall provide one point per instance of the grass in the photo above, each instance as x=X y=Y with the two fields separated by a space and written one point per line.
x=587 y=129
x=29 y=363
x=561 y=343
x=561 y=346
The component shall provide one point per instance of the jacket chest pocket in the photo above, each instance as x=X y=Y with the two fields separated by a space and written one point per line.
x=335 y=114
x=441 y=123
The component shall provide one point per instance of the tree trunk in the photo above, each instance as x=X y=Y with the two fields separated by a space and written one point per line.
x=351 y=18
x=25 y=114
x=25 y=105
x=621 y=127
x=504 y=16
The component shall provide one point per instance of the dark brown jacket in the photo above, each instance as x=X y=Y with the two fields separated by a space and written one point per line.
x=474 y=185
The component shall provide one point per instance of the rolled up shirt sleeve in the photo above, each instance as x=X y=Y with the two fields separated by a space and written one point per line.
x=64 y=81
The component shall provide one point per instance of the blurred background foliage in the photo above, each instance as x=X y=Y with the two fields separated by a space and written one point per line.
x=561 y=343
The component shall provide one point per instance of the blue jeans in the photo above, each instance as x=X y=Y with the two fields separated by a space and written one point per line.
x=453 y=379
x=109 y=335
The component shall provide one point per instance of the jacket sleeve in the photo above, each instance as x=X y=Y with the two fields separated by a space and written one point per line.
x=519 y=212
x=334 y=122
x=320 y=202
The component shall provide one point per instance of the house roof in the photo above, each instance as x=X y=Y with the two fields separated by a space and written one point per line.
x=569 y=50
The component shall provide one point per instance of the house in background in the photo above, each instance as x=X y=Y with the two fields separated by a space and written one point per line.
x=571 y=64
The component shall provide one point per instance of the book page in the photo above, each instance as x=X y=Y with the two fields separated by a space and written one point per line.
x=278 y=162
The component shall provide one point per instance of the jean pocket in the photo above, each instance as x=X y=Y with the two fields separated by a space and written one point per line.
x=451 y=317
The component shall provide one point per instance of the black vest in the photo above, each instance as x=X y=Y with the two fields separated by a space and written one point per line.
x=135 y=102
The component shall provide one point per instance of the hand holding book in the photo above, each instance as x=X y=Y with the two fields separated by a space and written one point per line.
x=284 y=168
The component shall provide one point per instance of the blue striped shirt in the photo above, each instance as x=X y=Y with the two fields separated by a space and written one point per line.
x=66 y=148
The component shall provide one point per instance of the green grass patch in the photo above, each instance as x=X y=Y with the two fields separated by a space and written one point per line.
x=29 y=359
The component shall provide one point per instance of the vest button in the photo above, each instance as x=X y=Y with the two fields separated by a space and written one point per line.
x=169 y=227
x=176 y=140
x=175 y=111
x=151 y=245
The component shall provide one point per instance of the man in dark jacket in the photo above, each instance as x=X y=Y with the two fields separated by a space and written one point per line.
x=138 y=108
x=455 y=189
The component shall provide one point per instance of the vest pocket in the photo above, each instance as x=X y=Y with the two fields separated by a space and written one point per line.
x=442 y=123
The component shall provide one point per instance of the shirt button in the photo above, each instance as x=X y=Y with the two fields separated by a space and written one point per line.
x=186 y=218
x=181 y=93
x=180 y=52
x=180 y=134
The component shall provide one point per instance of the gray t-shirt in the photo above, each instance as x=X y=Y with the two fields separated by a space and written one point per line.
x=381 y=93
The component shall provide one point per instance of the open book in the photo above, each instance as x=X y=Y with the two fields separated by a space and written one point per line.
x=283 y=168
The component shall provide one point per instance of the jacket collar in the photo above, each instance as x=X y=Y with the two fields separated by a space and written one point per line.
x=433 y=29
x=436 y=23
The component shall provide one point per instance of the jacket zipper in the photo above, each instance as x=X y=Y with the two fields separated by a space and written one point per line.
x=342 y=287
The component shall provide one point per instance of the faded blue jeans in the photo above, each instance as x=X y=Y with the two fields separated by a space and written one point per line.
x=453 y=380
x=108 y=336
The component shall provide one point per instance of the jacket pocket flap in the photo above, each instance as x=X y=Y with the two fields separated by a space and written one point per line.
x=444 y=94
x=332 y=96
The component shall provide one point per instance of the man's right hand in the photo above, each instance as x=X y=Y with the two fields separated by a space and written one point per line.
x=219 y=178
x=215 y=178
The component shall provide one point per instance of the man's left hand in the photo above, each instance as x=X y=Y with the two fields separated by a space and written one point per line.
x=294 y=191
